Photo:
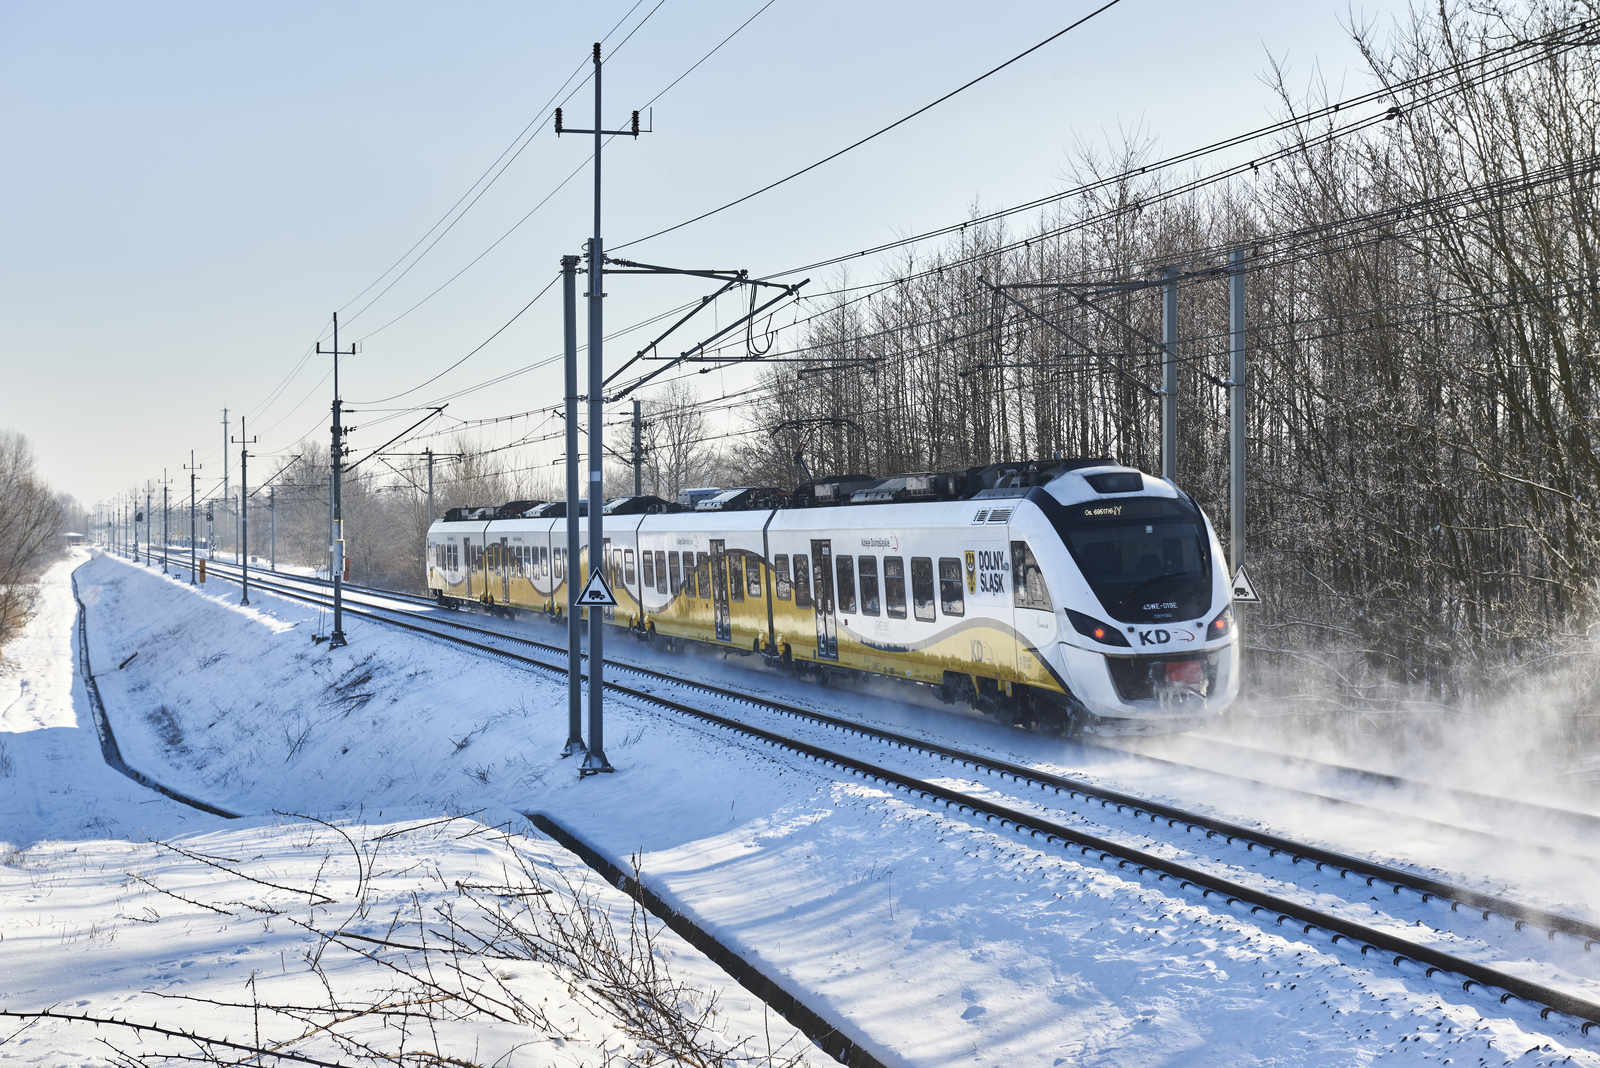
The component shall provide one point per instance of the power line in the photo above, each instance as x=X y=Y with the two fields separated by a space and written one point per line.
x=876 y=133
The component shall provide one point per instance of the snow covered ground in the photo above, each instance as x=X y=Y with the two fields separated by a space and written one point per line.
x=931 y=937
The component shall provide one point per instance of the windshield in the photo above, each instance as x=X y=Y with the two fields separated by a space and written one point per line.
x=1147 y=560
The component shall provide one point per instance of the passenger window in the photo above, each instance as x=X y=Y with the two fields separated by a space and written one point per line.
x=802 y=581
x=894 y=587
x=1027 y=581
x=922 y=588
x=780 y=576
x=869 y=585
x=952 y=598
x=845 y=590
x=627 y=566
x=616 y=566
x=661 y=571
x=677 y=575
x=648 y=562
x=752 y=575
x=691 y=577
x=702 y=574
x=735 y=587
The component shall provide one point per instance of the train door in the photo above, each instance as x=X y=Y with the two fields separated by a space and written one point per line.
x=607 y=563
x=822 y=595
x=505 y=571
x=719 y=589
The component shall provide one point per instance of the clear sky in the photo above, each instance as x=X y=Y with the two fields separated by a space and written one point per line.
x=192 y=188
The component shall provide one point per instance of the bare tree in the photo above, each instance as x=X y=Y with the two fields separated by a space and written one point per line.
x=30 y=531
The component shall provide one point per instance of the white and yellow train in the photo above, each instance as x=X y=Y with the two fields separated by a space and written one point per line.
x=1065 y=594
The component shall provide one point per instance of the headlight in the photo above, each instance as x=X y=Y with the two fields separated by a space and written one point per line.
x=1222 y=626
x=1090 y=627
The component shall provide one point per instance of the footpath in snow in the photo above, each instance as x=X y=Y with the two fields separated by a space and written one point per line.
x=930 y=937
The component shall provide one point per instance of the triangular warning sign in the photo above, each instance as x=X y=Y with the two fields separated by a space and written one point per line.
x=1244 y=591
x=596 y=594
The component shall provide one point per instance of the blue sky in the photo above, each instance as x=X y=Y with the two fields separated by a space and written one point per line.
x=192 y=188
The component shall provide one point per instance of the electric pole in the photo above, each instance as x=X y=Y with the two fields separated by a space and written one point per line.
x=149 y=488
x=225 y=442
x=1236 y=410
x=595 y=761
x=429 y=454
x=192 y=468
x=272 y=511
x=336 y=638
x=166 y=539
x=1169 y=376
x=638 y=451
x=569 y=305
x=244 y=444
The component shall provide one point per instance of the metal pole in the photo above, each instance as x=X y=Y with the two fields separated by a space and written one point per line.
x=148 y=489
x=336 y=637
x=595 y=761
x=638 y=452
x=193 y=564
x=569 y=307
x=429 y=454
x=225 y=443
x=244 y=513
x=1169 y=377
x=1236 y=429
x=166 y=538
x=272 y=510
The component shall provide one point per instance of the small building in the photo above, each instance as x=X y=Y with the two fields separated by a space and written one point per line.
x=72 y=537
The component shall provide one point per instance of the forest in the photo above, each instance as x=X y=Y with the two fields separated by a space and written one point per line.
x=1420 y=268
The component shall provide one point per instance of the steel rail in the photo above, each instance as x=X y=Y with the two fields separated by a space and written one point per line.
x=1546 y=999
x=1532 y=810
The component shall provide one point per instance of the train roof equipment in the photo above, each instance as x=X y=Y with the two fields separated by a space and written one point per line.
x=743 y=498
x=517 y=509
x=830 y=492
x=690 y=497
x=470 y=514
x=644 y=504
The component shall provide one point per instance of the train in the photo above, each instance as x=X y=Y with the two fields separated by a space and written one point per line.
x=1067 y=596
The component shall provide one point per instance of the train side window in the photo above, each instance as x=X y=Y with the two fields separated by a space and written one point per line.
x=802 y=581
x=869 y=585
x=616 y=566
x=952 y=598
x=922 y=588
x=647 y=561
x=845 y=588
x=735 y=587
x=661 y=571
x=627 y=566
x=894 y=587
x=677 y=575
x=689 y=576
x=780 y=576
x=702 y=574
x=558 y=564
x=1027 y=581
x=752 y=575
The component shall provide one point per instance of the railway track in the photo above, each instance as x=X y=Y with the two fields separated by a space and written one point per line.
x=1151 y=858
x=1578 y=825
x=1572 y=821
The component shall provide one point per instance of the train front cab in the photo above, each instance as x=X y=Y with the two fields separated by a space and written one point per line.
x=1136 y=665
